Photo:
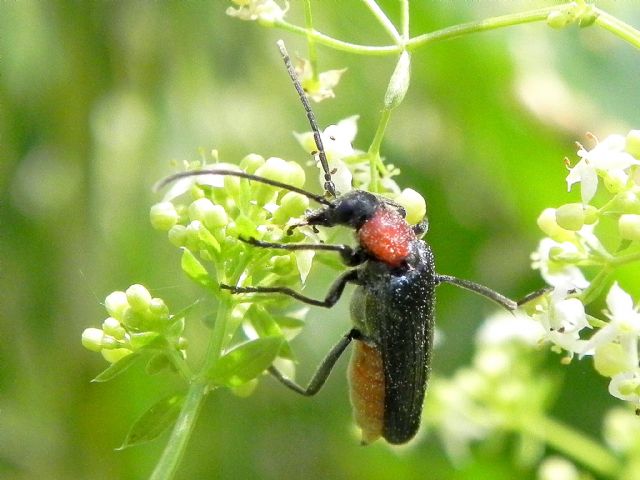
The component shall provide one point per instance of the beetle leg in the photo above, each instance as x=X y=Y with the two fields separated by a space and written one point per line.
x=334 y=294
x=421 y=228
x=350 y=256
x=323 y=370
x=491 y=294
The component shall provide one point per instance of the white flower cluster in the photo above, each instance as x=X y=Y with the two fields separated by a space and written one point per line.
x=263 y=10
x=572 y=244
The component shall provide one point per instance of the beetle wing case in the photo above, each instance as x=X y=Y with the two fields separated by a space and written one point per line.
x=394 y=308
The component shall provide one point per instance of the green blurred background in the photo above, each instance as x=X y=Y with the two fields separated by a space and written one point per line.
x=98 y=98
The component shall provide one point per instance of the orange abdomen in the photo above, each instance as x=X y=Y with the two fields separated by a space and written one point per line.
x=366 y=380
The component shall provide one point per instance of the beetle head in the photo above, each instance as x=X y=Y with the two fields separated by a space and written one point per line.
x=351 y=210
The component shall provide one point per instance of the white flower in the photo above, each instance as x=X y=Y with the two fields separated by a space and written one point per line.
x=322 y=88
x=265 y=10
x=184 y=185
x=607 y=158
x=557 y=273
x=503 y=327
x=626 y=386
x=336 y=140
x=562 y=320
x=623 y=327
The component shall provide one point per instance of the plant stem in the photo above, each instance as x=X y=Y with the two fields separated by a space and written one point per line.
x=404 y=19
x=176 y=446
x=618 y=27
x=493 y=23
x=572 y=443
x=311 y=44
x=384 y=20
x=374 y=149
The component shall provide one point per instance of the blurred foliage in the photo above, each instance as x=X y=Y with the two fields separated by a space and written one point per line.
x=99 y=97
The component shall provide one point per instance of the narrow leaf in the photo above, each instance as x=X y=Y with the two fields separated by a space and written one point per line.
x=195 y=270
x=120 y=366
x=246 y=361
x=155 y=421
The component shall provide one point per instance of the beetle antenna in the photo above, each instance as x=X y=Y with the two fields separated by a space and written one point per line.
x=235 y=173
x=329 y=186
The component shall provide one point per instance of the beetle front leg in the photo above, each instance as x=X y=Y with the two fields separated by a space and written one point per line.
x=322 y=373
x=332 y=297
x=491 y=294
x=350 y=256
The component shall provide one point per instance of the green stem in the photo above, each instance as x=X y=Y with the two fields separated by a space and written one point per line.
x=311 y=44
x=623 y=260
x=374 y=149
x=175 y=448
x=573 y=444
x=384 y=20
x=618 y=27
x=509 y=20
x=404 y=19
x=327 y=41
x=216 y=342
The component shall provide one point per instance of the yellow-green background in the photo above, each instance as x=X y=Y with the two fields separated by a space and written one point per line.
x=98 y=97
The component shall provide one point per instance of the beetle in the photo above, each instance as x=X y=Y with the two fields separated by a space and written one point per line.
x=392 y=307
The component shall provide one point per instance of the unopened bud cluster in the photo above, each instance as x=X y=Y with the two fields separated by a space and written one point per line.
x=136 y=320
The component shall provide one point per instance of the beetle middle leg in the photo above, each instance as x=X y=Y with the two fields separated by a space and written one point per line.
x=492 y=294
x=332 y=297
x=324 y=369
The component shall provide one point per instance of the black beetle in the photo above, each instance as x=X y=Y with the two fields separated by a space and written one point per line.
x=392 y=308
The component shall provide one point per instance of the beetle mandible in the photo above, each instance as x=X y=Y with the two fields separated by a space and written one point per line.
x=392 y=307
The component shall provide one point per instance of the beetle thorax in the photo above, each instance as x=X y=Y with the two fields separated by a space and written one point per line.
x=387 y=236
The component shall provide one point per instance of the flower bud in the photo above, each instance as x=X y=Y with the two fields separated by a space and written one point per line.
x=632 y=144
x=570 y=216
x=557 y=468
x=163 y=216
x=113 y=356
x=92 y=339
x=251 y=162
x=414 y=204
x=292 y=205
x=548 y=224
x=112 y=327
x=610 y=359
x=562 y=18
x=615 y=180
x=159 y=309
x=178 y=235
x=212 y=216
x=116 y=303
x=629 y=226
x=138 y=297
x=275 y=169
x=296 y=175
x=399 y=82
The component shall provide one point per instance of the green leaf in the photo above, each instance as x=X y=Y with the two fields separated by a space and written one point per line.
x=195 y=270
x=155 y=421
x=246 y=361
x=120 y=366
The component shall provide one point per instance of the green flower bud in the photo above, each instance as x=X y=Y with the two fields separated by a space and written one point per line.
x=113 y=356
x=414 y=204
x=138 y=297
x=116 y=304
x=548 y=224
x=246 y=389
x=275 y=169
x=251 y=162
x=292 y=205
x=399 y=82
x=132 y=320
x=610 y=359
x=557 y=468
x=212 y=216
x=159 y=309
x=632 y=144
x=178 y=235
x=92 y=339
x=296 y=175
x=112 y=327
x=629 y=226
x=163 y=216
x=615 y=180
x=591 y=214
x=570 y=216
